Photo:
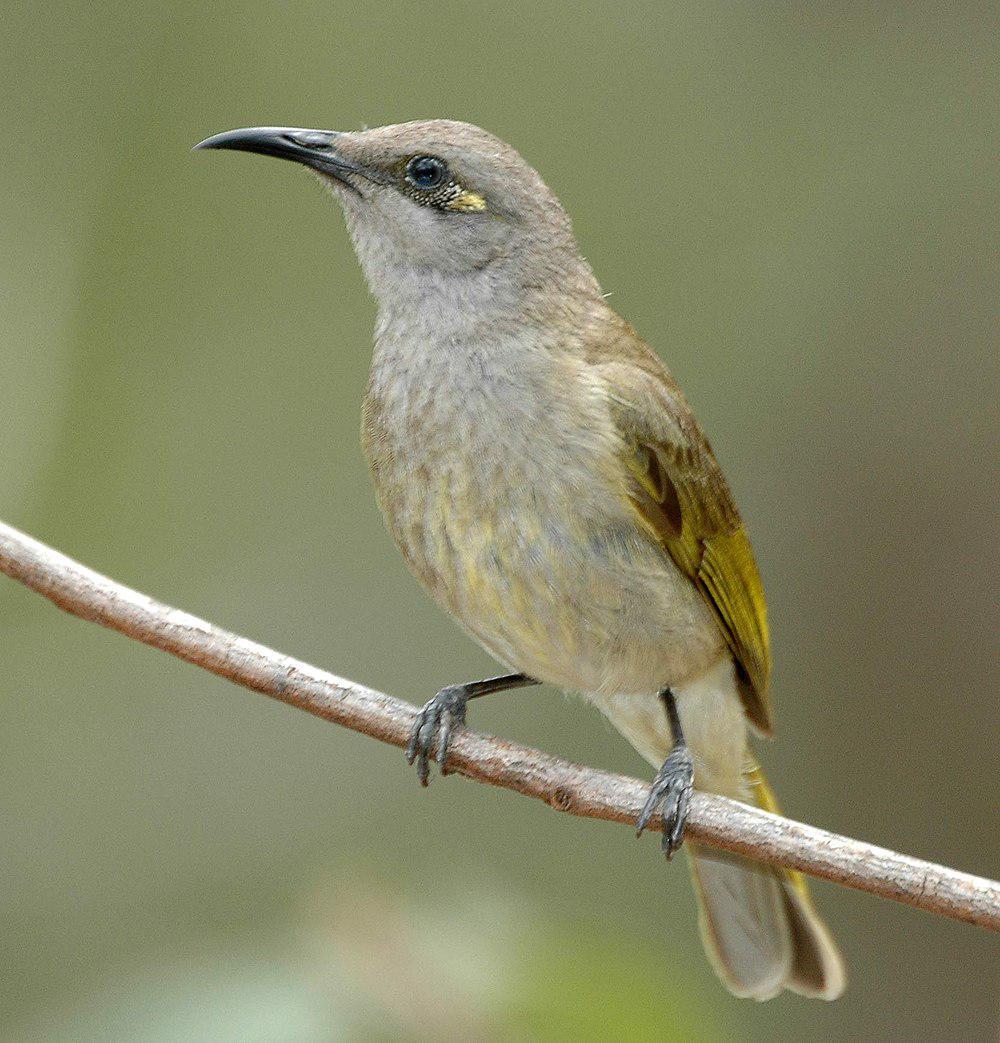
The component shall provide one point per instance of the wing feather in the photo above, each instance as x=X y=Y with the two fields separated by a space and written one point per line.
x=682 y=497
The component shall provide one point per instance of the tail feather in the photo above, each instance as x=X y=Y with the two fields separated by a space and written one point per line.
x=817 y=966
x=743 y=924
x=759 y=926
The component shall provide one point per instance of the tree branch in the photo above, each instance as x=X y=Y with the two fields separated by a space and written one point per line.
x=714 y=821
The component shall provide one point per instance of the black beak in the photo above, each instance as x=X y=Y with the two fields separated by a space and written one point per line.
x=313 y=148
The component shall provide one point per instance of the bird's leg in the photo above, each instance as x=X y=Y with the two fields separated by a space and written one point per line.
x=671 y=790
x=444 y=712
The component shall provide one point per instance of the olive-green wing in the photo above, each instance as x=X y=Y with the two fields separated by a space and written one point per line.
x=681 y=495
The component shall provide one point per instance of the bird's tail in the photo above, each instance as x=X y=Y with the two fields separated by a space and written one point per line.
x=758 y=924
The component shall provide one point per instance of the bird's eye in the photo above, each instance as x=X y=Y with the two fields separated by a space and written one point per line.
x=425 y=172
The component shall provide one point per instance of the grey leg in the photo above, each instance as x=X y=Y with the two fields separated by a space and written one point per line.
x=671 y=790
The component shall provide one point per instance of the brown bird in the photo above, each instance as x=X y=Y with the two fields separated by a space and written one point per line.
x=546 y=480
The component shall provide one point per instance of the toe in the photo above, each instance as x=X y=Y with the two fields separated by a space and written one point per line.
x=674 y=816
x=423 y=767
x=675 y=811
x=647 y=810
x=411 y=746
x=444 y=738
x=424 y=744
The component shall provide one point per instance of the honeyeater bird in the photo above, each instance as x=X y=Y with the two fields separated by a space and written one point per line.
x=546 y=480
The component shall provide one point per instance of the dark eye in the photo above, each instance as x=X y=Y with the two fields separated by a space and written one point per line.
x=425 y=172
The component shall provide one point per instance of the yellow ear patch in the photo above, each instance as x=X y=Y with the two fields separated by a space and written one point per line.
x=466 y=202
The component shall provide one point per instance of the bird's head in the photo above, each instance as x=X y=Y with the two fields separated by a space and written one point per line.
x=427 y=200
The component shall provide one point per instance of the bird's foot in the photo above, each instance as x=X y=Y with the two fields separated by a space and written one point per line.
x=671 y=794
x=439 y=717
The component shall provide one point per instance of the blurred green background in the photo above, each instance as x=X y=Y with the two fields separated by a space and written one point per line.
x=796 y=204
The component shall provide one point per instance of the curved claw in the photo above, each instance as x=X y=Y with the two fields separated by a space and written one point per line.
x=444 y=712
x=671 y=795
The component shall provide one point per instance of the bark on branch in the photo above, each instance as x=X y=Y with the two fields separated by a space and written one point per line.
x=714 y=821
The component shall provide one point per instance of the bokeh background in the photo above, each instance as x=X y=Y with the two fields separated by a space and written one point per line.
x=795 y=203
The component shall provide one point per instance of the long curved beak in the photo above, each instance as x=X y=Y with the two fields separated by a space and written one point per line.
x=313 y=148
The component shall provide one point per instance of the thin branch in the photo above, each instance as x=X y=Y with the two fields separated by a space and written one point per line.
x=714 y=821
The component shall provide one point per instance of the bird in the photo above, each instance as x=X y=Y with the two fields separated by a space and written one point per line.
x=546 y=480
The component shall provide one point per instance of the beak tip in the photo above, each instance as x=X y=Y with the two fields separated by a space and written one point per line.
x=212 y=142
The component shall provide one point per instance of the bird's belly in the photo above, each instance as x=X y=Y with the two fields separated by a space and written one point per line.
x=567 y=588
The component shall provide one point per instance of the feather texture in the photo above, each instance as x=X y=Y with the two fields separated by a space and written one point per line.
x=683 y=499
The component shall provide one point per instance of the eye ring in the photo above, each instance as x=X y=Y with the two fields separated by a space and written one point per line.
x=426 y=172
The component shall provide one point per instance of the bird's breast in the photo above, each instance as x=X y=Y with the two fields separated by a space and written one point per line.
x=472 y=463
x=504 y=492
